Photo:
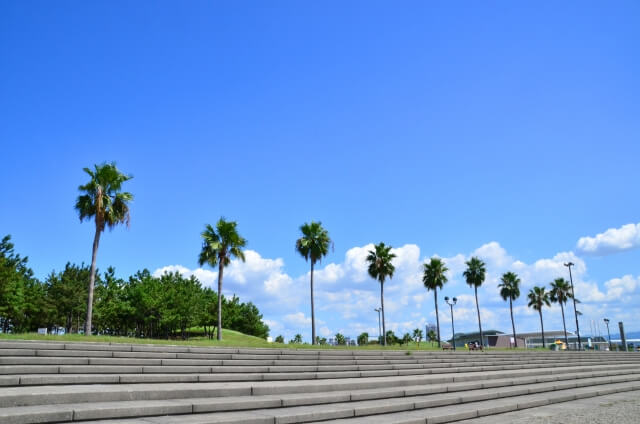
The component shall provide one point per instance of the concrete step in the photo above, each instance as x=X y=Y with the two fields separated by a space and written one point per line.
x=155 y=358
x=47 y=395
x=186 y=374
x=394 y=400
x=445 y=407
x=469 y=411
x=205 y=373
x=292 y=359
x=30 y=347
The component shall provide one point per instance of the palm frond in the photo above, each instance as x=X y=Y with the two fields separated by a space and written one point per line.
x=101 y=197
x=221 y=243
x=314 y=243
x=434 y=274
x=380 y=262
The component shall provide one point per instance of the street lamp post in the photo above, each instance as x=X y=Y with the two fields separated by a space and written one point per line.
x=453 y=329
x=379 y=327
x=606 y=321
x=575 y=310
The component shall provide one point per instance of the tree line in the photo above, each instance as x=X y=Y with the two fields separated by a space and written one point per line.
x=168 y=306
x=103 y=201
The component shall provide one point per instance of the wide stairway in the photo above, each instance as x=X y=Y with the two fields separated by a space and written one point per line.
x=48 y=382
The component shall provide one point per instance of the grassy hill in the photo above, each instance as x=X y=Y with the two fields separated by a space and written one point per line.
x=229 y=338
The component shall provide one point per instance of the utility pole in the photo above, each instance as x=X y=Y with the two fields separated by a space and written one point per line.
x=606 y=321
x=379 y=327
x=453 y=329
x=575 y=310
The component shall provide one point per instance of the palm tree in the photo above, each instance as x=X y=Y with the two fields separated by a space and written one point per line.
x=538 y=297
x=380 y=267
x=510 y=289
x=314 y=244
x=103 y=200
x=560 y=293
x=433 y=278
x=417 y=335
x=432 y=336
x=475 y=275
x=219 y=245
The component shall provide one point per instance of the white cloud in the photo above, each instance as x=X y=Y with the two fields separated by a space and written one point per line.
x=613 y=240
x=205 y=276
x=345 y=296
x=297 y=319
x=619 y=287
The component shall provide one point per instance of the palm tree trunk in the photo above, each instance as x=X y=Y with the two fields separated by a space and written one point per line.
x=313 y=315
x=513 y=324
x=435 y=298
x=479 y=322
x=92 y=280
x=542 y=327
x=566 y=339
x=220 y=270
x=384 y=328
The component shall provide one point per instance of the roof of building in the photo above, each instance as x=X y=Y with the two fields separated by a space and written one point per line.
x=552 y=333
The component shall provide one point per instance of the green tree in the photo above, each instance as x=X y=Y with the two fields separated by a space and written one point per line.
x=14 y=274
x=297 y=339
x=146 y=296
x=340 y=339
x=510 y=289
x=474 y=275
x=433 y=337
x=244 y=317
x=35 y=309
x=180 y=297
x=538 y=297
x=111 y=306
x=561 y=293
x=279 y=339
x=417 y=335
x=219 y=245
x=391 y=337
x=406 y=338
x=380 y=267
x=313 y=246
x=102 y=200
x=363 y=339
x=67 y=295
x=209 y=312
x=434 y=277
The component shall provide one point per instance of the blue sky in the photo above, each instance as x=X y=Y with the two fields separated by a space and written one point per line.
x=508 y=130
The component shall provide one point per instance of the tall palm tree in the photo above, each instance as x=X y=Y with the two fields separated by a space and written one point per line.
x=314 y=244
x=102 y=200
x=510 y=289
x=475 y=274
x=561 y=293
x=433 y=278
x=380 y=267
x=218 y=246
x=538 y=297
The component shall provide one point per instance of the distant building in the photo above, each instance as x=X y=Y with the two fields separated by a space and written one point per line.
x=534 y=340
x=491 y=338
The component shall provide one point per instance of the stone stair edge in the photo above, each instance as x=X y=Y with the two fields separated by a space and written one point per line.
x=125 y=347
x=39 y=395
x=365 y=408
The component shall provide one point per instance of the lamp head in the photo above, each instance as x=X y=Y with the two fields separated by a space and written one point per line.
x=568 y=264
x=606 y=320
x=446 y=298
x=454 y=300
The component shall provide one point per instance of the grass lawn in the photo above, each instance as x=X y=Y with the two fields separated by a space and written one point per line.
x=230 y=338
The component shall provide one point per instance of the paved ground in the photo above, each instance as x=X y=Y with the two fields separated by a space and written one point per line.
x=619 y=408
